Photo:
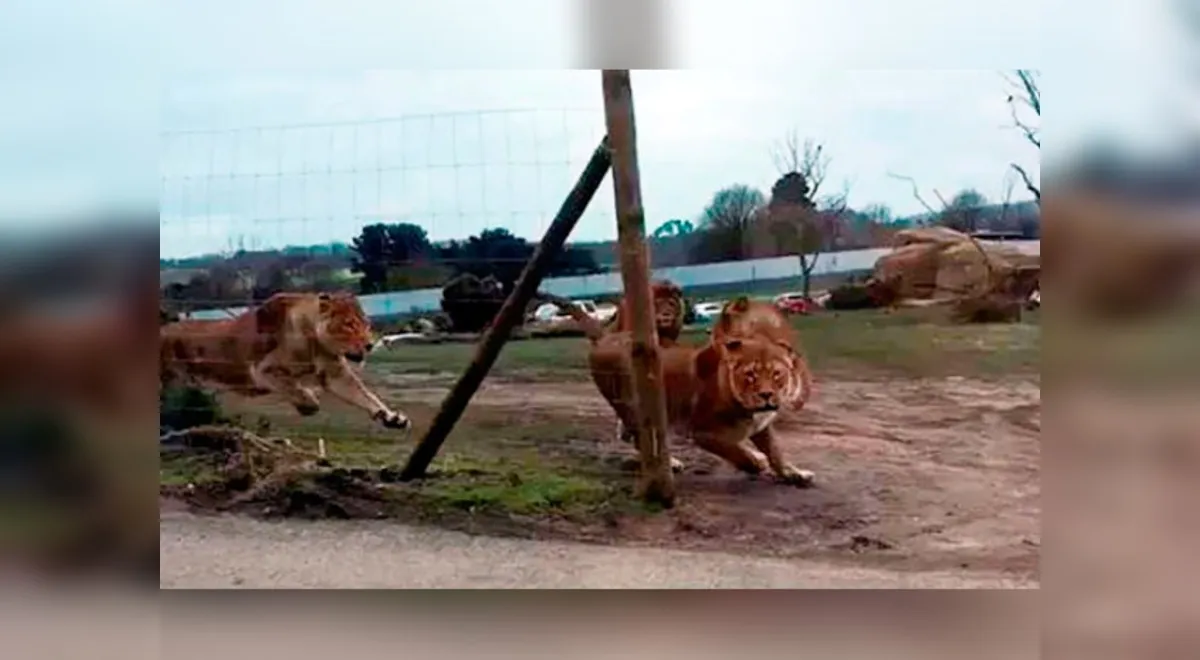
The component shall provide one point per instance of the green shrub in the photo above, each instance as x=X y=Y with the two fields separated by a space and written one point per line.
x=850 y=296
x=186 y=407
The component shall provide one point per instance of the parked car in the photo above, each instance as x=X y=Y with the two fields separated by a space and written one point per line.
x=794 y=303
x=706 y=312
x=550 y=313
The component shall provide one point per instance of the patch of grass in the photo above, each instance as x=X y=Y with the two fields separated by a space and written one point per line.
x=911 y=342
x=919 y=342
x=522 y=488
x=184 y=470
x=551 y=358
x=491 y=465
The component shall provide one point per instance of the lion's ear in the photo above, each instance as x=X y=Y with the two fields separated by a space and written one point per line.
x=739 y=304
x=708 y=361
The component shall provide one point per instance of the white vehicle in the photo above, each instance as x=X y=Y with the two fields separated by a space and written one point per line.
x=707 y=311
x=388 y=341
x=550 y=313
x=546 y=313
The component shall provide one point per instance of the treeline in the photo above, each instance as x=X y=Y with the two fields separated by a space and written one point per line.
x=383 y=257
x=739 y=223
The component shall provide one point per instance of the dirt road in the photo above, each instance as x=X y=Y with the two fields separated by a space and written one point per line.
x=235 y=552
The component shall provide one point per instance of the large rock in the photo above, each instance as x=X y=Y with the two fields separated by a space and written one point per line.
x=937 y=235
x=937 y=263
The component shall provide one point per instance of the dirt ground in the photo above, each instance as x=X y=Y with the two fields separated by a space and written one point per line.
x=928 y=474
x=912 y=474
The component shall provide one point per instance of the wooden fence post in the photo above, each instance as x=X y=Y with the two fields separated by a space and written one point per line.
x=656 y=482
x=510 y=314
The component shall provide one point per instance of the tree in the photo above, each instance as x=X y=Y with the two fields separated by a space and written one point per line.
x=964 y=212
x=574 y=260
x=1026 y=97
x=675 y=227
x=800 y=223
x=380 y=248
x=880 y=214
x=727 y=224
x=494 y=252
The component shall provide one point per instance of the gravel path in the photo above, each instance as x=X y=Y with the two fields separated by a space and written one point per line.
x=235 y=552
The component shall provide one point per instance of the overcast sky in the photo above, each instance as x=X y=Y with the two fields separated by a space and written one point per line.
x=458 y=152
x=910 y=87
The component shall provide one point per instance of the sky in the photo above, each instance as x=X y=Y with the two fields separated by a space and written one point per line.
x=304 y=159
x=99 y=100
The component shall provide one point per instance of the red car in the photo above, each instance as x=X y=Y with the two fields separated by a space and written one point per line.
x=794 y=303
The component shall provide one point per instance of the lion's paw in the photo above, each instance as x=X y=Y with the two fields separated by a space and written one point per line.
x=796 y=477
x=307 y=409
x=394 y=420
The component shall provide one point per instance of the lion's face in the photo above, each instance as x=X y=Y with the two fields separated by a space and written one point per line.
x=344 y=328
x=761 y=373
x=668 y=309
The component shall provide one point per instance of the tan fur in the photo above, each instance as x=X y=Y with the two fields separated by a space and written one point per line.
x=743 y=317
x=285 y=346
x=668 y=312
x=719 y=395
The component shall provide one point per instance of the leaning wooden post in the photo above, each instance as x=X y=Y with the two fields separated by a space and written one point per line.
x=655 y=482
x=510 y=314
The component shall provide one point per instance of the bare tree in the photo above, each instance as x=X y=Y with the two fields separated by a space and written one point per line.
x=800 y=220
x=1006 y=203
x=727 y=225
x=1026 y=96
x=964 y=212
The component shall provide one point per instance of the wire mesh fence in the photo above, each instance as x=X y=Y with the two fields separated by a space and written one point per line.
x=392 y=210
x=429 y=220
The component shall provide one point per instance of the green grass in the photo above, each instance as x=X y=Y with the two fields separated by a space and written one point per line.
x=494 y=461
x=522 y=487
x=919 y=343
x=551 y=358
x=908 y=342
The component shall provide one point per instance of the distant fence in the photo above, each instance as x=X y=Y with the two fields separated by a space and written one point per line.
x=688 y=277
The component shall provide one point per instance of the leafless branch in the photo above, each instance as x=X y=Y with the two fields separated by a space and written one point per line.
x=1029 y=185
x=916 y=191
x=1026 y=92
x=1009 y=184
x=805 y=158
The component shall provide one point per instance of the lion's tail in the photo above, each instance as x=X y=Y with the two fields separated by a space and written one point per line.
x=590 y=326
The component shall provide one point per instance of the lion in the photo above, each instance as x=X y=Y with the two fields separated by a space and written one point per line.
x=719 y=395
x=286 y=345
x=669 y=312
x=743 y=317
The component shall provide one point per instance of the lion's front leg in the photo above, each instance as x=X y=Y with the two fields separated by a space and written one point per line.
x=629 y=437
x=729 y=445
x=766 y=441
x=271 y=375
x=340 y=381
